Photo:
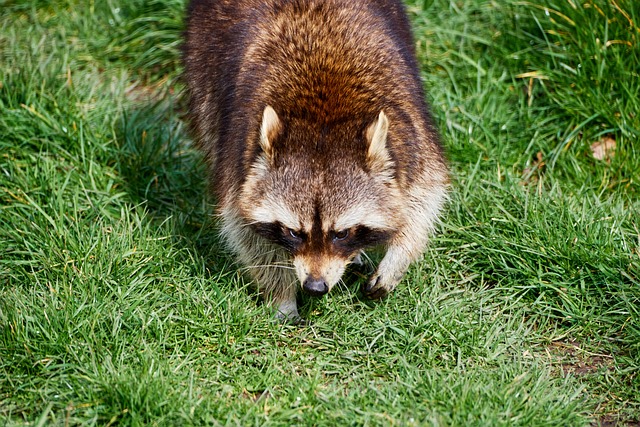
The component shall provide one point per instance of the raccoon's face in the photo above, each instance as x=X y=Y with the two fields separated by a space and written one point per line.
x=323 y=208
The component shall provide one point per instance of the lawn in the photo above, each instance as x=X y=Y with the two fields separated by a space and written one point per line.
x=119 y=306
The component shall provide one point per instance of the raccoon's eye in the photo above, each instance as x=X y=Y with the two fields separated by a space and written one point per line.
x=341 y=235
x=295 y=234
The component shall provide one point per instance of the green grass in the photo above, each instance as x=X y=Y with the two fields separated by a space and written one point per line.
x=118 y=305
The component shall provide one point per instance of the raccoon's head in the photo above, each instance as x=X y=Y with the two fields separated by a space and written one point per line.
x=322 y=193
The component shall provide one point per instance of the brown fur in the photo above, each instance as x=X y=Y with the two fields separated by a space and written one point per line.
x=348 y=127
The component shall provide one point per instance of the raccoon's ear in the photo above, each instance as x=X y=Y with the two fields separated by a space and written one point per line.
x=268 y=130
x=377 y=154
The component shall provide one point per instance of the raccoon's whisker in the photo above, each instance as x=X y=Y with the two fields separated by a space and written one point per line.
x=342 y=284
x=275 y=266
x=287 y=263
x=267 y=254
x=247 y=224
x=268 y=261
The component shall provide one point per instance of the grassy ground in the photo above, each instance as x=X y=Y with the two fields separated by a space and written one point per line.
x=118 y=306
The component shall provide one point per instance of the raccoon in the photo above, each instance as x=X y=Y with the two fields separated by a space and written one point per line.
x=319 y=142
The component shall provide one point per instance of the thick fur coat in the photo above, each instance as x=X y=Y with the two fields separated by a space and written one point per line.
x=313 y=120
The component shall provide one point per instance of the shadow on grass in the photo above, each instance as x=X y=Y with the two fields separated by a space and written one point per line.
x=167 y=177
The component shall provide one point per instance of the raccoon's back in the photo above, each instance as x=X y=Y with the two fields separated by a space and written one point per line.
x=324 y=56
x=320 y=61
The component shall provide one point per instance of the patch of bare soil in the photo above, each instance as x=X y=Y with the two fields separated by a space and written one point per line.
x=574 y=360
x=609 y=421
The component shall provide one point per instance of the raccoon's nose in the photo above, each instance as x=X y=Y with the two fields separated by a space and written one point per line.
x=315 y=287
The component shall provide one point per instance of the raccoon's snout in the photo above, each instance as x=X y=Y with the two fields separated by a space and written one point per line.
x=315 y=287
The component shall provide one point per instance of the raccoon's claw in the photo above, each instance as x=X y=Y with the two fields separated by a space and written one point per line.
x=357 y=260
x=291 y=319
x=379 y=293
x=294 y=320
x=373 y=289
x=288 y=313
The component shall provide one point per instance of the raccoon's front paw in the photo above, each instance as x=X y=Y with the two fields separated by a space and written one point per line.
x=377 y=287
x=291 y=319
x=358 y=259
x=288 y=313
